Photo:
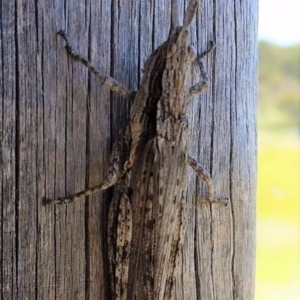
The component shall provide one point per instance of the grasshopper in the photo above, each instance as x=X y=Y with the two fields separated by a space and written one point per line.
x=147 y=215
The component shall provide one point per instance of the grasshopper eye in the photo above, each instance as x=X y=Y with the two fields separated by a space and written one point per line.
x=191 y=52
x=171 y=50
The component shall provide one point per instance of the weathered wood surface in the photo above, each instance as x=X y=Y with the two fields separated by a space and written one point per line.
x=58 y=124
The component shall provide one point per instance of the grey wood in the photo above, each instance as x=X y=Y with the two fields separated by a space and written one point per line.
x=58 y=124
x=8 y=154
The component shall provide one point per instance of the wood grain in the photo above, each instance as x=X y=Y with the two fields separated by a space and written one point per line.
x=57 y=127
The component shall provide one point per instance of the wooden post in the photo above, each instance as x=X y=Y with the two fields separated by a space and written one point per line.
x=58 y=123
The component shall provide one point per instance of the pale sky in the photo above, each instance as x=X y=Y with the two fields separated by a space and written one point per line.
x=279 y=21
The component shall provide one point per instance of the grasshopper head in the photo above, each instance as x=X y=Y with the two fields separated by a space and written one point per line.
x=176 y=80
x=179 y=55
x=167 y=80
x=178 y=45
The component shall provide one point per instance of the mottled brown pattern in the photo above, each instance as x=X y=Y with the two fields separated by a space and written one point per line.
x=147 y=217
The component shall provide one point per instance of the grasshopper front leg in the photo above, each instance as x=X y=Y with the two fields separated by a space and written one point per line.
x=201 y=86
x=107 y=81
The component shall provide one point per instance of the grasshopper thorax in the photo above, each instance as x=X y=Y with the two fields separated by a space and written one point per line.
x=176 y=81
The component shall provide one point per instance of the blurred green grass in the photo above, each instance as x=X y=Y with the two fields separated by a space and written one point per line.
x=278 y=217
x=278 y=194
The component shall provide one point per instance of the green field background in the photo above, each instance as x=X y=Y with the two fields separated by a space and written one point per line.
x=278 y=217
x=278 y=189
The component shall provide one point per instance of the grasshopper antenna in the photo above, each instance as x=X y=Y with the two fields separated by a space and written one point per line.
x=190 y=13
x=174 y=16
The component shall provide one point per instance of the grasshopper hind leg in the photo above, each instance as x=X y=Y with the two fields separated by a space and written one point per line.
x=119 y=241
x=117 y=159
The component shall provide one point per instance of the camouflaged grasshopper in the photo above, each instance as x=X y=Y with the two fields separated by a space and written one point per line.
x=147 y=216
